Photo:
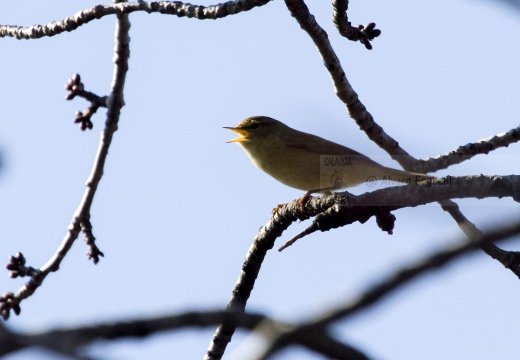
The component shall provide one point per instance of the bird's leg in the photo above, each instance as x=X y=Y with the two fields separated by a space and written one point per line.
x=303 y=200
x=306 y=197
x=300 y=201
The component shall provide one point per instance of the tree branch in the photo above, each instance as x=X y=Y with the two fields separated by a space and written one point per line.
x=359 y=33
x=77 y=88
x=510 y=259
x=342 y=87
x=348 y=209
x=81 y=218
x=466 y=152
x=376 y=133
x=390 y=284
x=83 y=17
x=263 y=242
x=69 y=341
x=333 y=211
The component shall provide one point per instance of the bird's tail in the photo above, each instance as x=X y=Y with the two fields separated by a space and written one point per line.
x=402 y=176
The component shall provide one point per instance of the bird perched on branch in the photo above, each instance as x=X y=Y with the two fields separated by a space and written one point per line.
x=308 y=162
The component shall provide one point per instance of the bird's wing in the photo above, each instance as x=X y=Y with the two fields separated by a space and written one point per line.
x=317 y=145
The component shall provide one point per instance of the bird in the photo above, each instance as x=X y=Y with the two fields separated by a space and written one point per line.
x=308 y=162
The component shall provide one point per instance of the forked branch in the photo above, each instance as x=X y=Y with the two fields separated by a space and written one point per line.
x=81 y=218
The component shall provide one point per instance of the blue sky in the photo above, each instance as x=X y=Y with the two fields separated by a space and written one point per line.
x=177 y=207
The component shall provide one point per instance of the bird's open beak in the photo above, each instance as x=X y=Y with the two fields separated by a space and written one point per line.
x=242 y=132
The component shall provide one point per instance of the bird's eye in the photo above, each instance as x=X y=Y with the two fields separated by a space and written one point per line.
x=255 y=126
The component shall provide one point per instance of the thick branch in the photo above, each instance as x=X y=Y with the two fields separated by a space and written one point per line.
x=335 y=211
x=349 y=209
x=263 y=242
x=177 y=8
x=70 y=341
x=342 y=87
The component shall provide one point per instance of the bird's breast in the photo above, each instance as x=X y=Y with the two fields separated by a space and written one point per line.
x=301 y=169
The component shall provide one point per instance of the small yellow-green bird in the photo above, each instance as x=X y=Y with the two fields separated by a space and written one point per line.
x=308 y=162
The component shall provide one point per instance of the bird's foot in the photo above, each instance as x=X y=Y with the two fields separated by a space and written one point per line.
x=302 y=201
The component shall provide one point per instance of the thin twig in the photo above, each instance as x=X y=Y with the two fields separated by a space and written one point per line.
x=466 y=152
x=263 y=242
x=510 y=259
x=98 y=11
x=82 y=214
x=76 y=88
x=361 y=33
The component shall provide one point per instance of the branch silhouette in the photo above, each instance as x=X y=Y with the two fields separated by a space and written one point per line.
x=70 y=341
x=312 y=334
x=330 y=211
x=280 y=339
x=365 y=121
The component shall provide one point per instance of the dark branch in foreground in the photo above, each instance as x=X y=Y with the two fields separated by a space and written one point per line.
x=390 y=284
x=313 y=334
x=70 y=341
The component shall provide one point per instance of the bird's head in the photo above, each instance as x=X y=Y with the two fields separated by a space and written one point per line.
x=256 y=129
